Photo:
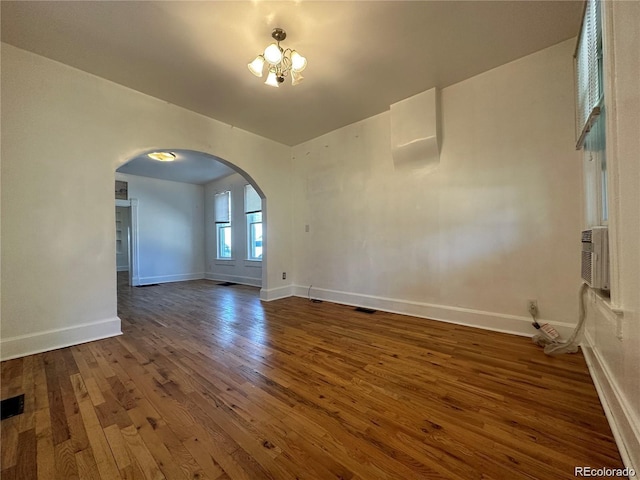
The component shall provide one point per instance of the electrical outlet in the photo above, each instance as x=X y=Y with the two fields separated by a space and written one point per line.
x=284 y=275
x=532 y=307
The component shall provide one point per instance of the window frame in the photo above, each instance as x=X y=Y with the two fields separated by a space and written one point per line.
x=252 y=207
x=590 y=113
x=251 y=240
x=220 y=244
x=223 y=222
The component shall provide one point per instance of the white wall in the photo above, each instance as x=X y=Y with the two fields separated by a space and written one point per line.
x=170 y=229
x=612 y=344
x=238 y=269
x=495 y=225
x=64 y=133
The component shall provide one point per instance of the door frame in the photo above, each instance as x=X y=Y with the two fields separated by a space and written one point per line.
x=132 y=239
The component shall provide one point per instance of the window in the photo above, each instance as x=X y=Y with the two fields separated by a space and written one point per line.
x=253 y=212
x=254 y=234
x=588 y=63
x=590 y=114
x=224 y=240
x=596 y=172
x=223 y=224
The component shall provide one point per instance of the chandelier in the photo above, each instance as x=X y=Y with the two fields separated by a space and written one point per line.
x=280 y=62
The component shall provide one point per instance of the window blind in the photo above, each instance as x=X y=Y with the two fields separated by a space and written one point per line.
x=252 y=201
x=588 y=69
x=222 y=207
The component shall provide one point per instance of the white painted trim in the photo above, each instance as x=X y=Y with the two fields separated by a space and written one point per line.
x=134 y=248
x=253 y=263
x=220 y=277
x=22 y=345
x=225 y=262
x=611 y=150
x=134 y=253
x=625 y=425
x=268 y=295
x=183 y=277
x=498 y=322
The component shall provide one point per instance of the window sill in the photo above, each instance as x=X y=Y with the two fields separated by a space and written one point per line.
x=604 y=302
x=225 y=261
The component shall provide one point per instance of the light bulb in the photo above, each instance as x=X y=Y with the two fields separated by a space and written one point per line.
x=162 y=156
x=256 y=66
x=272 y=80
x=298 y=62
x=273 y=54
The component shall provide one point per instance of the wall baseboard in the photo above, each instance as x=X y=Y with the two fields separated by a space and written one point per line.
x=276 y=293
x=499 y=322
x=220 y=277
x=23 y=345
x=183 y=277
x=625 y=425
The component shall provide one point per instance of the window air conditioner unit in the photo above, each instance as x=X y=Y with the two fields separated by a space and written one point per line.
x=595 y=257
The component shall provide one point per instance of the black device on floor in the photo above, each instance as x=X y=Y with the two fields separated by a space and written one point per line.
x=10 y=407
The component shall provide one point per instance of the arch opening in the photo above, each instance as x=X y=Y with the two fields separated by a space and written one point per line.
x=175 y=223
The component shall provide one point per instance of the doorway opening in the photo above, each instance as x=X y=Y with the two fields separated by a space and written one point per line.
x=170 y=227
x=126 y=231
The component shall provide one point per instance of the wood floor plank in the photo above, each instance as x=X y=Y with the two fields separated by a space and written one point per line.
x=40 y=393
x=141 y=455
x=208 y=382
x=59 y=427
x=118 y=447
x=147 y=426
x=9 y=442
x=78 y=432
x=11 y=374
x=104 y=459
x=87 y=467
x=45 y=455
x=28 y=418
x=111 y=412
x=26 y=465
x=65 y=461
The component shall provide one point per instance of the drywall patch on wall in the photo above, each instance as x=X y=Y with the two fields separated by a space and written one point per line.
x=415 y=131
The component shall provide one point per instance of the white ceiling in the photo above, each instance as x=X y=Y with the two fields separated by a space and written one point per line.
x=188 y=167
x=363 y=56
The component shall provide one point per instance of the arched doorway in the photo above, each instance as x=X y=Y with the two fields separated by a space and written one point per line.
x=171 y=234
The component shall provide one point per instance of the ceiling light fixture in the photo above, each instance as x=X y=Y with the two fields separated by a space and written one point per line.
x=281 y=62
x=162 y=156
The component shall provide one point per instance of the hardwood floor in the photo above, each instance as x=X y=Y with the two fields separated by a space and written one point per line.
x=207 y=382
